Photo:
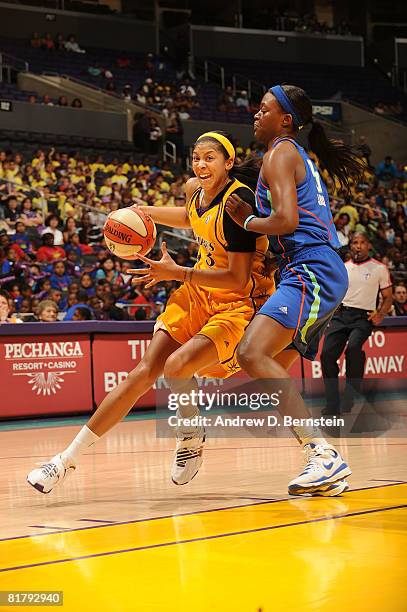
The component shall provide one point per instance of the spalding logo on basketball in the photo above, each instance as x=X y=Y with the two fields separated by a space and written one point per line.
x=128 y=232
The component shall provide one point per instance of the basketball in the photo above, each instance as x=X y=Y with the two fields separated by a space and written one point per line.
x=129 y=232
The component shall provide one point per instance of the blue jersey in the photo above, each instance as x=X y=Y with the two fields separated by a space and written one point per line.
x=316 y=227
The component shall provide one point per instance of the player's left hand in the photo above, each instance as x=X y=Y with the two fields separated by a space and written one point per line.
x=163 y=270
x=375 y=317
x=238 y=209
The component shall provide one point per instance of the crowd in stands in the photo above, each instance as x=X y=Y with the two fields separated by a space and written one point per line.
x=158 y=80
x=53 y=261
x=292 y=21
x=51 y=240
x=47 y=43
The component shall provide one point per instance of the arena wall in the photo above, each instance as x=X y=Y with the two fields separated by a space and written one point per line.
x=277 y=46
x=92 y=30
x=40 y=118
x=66 y=368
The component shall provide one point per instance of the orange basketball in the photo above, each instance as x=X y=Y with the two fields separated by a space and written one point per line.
x=129 y=232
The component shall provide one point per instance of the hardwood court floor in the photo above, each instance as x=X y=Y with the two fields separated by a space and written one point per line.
x=119 y=536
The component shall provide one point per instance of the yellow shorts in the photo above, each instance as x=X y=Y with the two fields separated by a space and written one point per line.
x=191 y=311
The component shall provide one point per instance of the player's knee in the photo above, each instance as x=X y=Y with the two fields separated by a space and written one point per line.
x=176 y=367
x=144 y=374
x=246 y=356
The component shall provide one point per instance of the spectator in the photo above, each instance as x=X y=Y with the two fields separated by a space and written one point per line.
x=76 y=103
x=226 y=101
x=47 y=42
x=63 y=101
x=187 y=89
x=10 y=264
x=107 y=271
x=110 y=310
x=72 y=45
x=35 y=41
x=22 y=239
x=386 y=171
x=11 y=212
x=6 y=309
x=342 y=228
x=47 y=100
x=352 y=213
x=25 y=311
x=56 y=296
x=60 y=42
x=43 y=288
x=82 y=301
x=28 y=215
x=82 y=313
x=183 y=113
x=51 y=227
x=87 y=284
x=47 y=311
x=155 y=136
x=242 y=101
x=48 y=252
x=70 y=228
x=59 y=278
x=399 y=308
x=397 y=267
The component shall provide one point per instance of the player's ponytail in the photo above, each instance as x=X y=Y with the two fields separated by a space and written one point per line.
x=247 y=171
x=340 y=160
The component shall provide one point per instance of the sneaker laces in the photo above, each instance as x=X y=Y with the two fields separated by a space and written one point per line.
x=49 y=470
x=313 y=457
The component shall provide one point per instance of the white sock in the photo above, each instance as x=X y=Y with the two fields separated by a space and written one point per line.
x=189 y=413
x=79 y=444
x=309 y=434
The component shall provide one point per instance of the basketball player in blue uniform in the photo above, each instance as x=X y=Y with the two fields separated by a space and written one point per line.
x=293 y=205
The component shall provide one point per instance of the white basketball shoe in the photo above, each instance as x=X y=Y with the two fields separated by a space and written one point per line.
x=337 y=488
x=49 y=475
x=324 y=467
x=188 y=457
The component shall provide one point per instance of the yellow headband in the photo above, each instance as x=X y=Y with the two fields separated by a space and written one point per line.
x=223 y=141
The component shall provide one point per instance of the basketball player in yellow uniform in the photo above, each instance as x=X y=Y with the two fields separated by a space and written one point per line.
x=204 y=319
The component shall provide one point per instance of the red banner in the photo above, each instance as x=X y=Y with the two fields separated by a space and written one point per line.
x=45 y=375
x=385 y=358
x=51 y=374
x=114 y=356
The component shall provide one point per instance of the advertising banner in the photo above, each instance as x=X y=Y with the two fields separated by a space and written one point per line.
x=385 y=360
x=42 y=375
x=325 y=109
x=114 y=356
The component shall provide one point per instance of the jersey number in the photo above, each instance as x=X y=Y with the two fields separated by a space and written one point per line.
x=315 y=174
x=209 y=260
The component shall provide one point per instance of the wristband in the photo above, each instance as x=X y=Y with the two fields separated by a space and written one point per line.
x=249 y=218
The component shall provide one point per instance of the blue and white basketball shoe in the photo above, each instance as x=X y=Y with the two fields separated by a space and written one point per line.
x=332 y=490
x=324 y=467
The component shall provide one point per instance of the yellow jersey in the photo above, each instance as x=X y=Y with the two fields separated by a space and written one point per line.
x=217 y=234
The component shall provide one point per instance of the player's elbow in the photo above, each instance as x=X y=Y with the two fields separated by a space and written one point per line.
x=291 y=222
x=288 y=225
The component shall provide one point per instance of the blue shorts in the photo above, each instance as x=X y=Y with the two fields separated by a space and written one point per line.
x=311 y=288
